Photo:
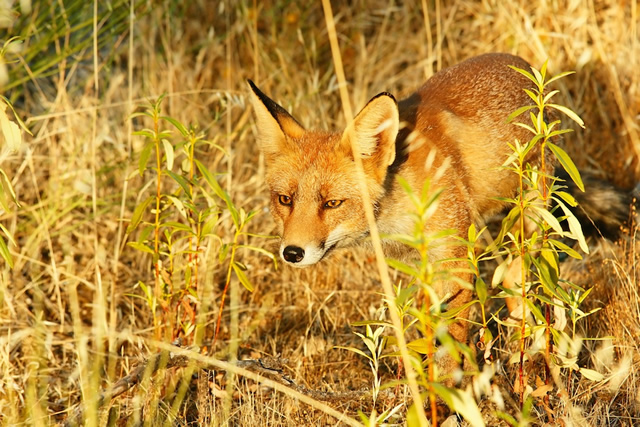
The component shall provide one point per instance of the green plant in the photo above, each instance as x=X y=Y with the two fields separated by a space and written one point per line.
x=186 y=206
x=420 y=308
x=12 y=137
x=543 y=291
x=531 y=235
x=50 y=36
x=376 y=344
x=428 y=317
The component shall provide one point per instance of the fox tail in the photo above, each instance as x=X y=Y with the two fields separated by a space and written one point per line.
x=603 y=209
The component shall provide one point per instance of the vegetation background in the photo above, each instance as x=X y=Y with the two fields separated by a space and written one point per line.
x=74 y=314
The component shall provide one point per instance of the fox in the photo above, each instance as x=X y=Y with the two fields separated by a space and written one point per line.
x=452 y=132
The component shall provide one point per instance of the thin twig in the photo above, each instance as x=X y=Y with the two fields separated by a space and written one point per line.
x=268 y=370
x=164 y=359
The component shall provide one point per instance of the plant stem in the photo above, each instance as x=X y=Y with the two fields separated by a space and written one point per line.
x=226 y=285
x=156 y=225
x=523 y=324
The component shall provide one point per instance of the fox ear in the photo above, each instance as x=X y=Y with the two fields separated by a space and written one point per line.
x=374 y=130
x=275 y=124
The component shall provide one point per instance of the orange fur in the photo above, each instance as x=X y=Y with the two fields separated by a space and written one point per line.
x=451 y=131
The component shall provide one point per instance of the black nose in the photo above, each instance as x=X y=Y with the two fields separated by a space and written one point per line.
x=293 y=254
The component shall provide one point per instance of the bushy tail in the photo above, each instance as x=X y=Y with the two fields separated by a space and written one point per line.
x=603 y=209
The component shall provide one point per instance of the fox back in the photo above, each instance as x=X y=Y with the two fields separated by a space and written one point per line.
x=452 y=131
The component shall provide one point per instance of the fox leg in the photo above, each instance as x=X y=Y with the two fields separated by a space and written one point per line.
x=459 y=330
x=456 y=296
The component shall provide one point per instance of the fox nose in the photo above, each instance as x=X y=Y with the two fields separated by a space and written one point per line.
x=293 y=254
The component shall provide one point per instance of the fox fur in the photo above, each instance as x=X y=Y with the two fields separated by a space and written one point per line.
x=604 y=210
x=452 y=131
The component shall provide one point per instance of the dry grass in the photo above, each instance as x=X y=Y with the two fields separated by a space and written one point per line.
x=69 y=322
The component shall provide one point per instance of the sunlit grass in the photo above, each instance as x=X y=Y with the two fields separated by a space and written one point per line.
x=75 y=278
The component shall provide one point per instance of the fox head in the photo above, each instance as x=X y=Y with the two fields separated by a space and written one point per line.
x=315 y=192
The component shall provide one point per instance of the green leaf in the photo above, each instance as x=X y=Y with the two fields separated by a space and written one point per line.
x=538 y=75
x=535 y=310
x=179 y=205
x=471 y=233
x=403 y=267
x=16 y=115
x=145 y=132
x=519 y=111
x=181 y=128
x=549 y=219
x=177 y=226
x=550 y=95
x=209 y=225
x=551 y=257
x=507 y=224
x=264 y=252
x=4 y=252
x=527 y=127
x=568 y=198
x=181 y=181
x=8 y=234
x=574 y=227
x=564 y=248
x=536 y=119
x=533 y=96
x=421 y=345
x=141 y=247
x=532 y=143
x=353 y=349
x=372 y=323
x=543 y=70
x=548 y=275
x=413 y=417
x=144 y=157
x=224 y=251
x=498 y=274
x=364 y=419
x=524 y=73
x=141 y=114
x=242 y=277
x=215 y=186
x=508 y=418
x=156 y=105
x=567 y=164
x=481 y=290
x=558 y=132
x=10 y=130
x=454 y=312
x=559 y=76
x=570 y=113
x=138 y=212
x=487 y=336
x=169 y=154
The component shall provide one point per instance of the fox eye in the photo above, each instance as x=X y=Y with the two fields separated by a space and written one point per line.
x=284 y=200
x=332 y=204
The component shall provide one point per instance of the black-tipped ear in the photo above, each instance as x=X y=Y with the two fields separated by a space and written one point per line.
x=275 y=124
x=374 y=131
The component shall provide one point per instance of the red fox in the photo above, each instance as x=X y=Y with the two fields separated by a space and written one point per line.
x=452 y=131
